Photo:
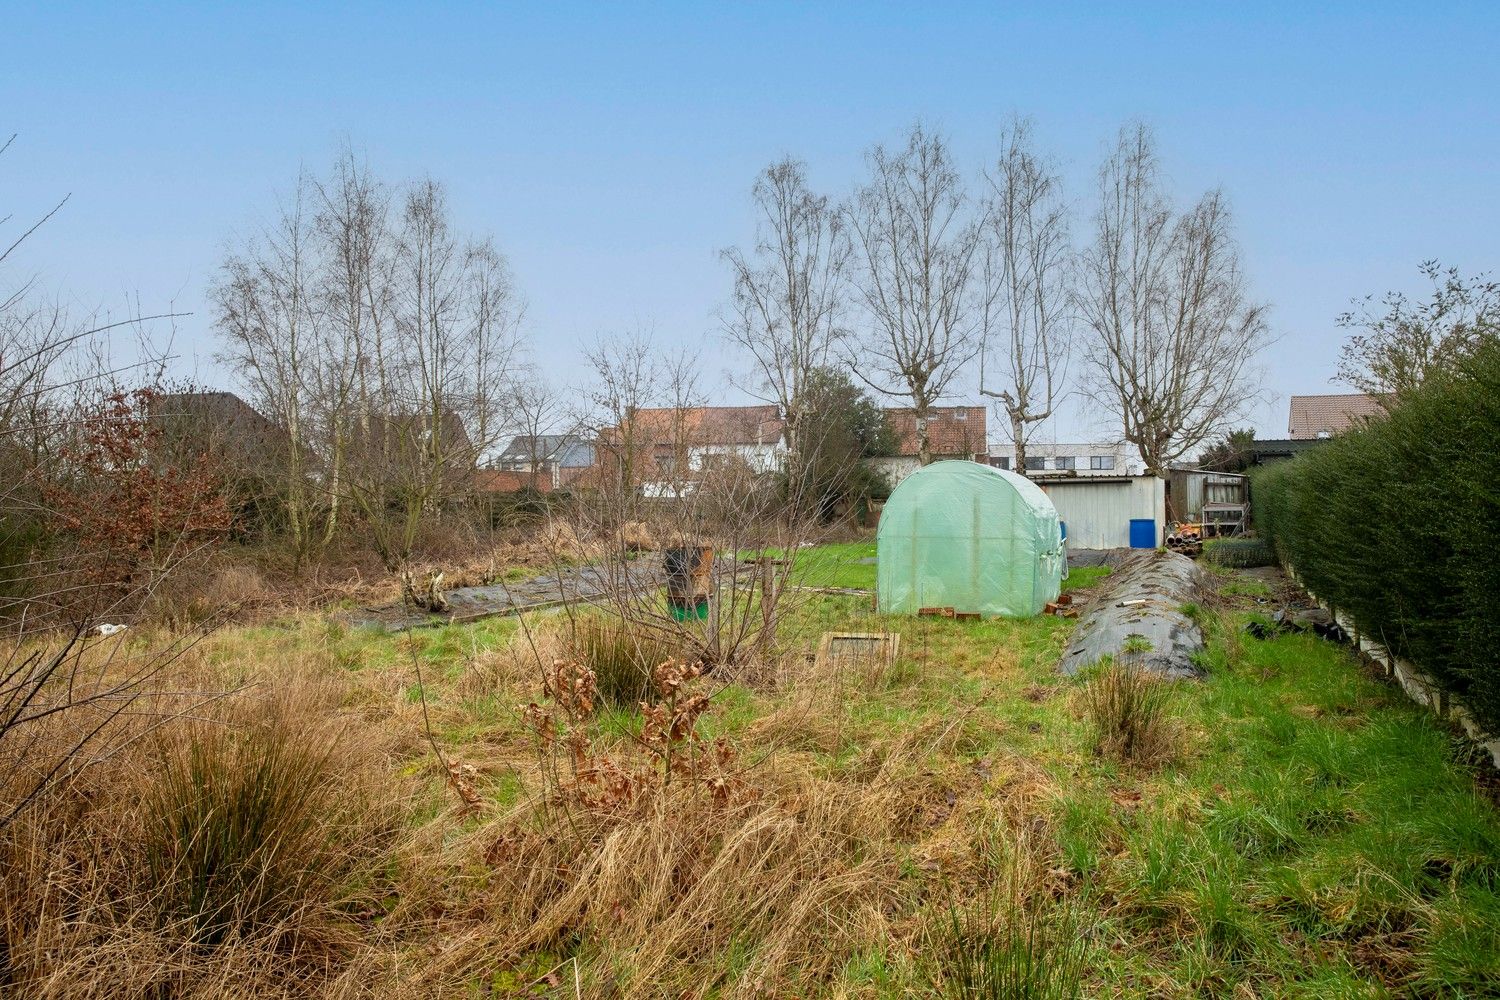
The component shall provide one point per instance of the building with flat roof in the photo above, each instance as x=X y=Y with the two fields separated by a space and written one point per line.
x=1099 y=458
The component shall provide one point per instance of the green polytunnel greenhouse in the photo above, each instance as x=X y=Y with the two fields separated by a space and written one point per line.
x=969 y=537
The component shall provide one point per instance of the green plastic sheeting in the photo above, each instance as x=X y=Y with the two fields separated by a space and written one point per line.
x=969 y=537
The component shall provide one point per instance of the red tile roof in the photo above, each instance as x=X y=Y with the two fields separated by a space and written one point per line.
x=952 y=431
x=1323 y=416
x=710 y=425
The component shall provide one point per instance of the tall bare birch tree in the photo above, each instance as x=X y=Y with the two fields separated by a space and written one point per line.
x=789 y=290
x=1173 y=329
x=917 y=238
x=455 y=333
x=353 y=228
x=381 y=340
x=1027 y=262
x=269 y=316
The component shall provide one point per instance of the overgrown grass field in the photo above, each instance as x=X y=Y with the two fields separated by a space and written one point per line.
x=947 y=824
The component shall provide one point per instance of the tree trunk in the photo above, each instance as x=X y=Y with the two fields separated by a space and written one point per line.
x=1018 y=434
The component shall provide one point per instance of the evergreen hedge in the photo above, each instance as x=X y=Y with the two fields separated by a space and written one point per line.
x=1397 y=525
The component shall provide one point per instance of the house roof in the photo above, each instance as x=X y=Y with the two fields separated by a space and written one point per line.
x=224 y=407
x=951 y=430
x=710 y=425
x=1314 y=416
x=568 y=450
x=221 y=419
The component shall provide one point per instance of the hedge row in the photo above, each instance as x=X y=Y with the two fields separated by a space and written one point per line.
x=1397 y=525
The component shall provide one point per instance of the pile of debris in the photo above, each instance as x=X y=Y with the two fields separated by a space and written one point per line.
x=1314 y=620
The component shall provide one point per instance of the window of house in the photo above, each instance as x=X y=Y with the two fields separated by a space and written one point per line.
x=1066 y=463
x=1102 y=462
x=1000 y=461
x=960 y=414
x=1035 y=464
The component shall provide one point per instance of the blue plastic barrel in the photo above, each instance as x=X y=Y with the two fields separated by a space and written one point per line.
x=1142 y=533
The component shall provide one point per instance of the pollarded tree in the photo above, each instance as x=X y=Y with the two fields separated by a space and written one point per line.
x=789 y=289
x=1173 y=329
x=917 y=238
x=1027 y=264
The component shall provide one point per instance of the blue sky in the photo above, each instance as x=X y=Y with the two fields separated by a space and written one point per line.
x=610 y=149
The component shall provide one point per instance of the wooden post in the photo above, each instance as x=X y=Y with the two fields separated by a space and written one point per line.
x=767 y=598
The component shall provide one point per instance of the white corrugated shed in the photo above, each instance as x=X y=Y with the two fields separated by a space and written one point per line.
x=1098 y=510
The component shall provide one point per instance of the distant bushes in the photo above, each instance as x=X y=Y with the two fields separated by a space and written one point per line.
x=525 y=507
x=1396 y=524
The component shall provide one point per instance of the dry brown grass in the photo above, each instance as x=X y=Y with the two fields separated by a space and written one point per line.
x=671 y=886
x=127 y=881
x=760 y=869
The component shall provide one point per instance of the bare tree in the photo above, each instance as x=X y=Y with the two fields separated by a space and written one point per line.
x=1174 y=331
x=381 y=341
x=352 y=224
x=454 y=337
x=537 y=409
x=627 y=377
x=917 y=240
x=269 y=317
x=1027 y=272
x=1393 y=352
x=788 y=292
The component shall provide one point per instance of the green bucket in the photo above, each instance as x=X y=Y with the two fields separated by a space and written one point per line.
x=689 y=612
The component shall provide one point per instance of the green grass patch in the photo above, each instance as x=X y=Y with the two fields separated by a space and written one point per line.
x=1084 y=576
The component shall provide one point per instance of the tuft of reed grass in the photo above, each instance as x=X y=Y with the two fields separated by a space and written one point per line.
x=1131 y=710
x=621 y=655
x=235 y=831
x=211 y=854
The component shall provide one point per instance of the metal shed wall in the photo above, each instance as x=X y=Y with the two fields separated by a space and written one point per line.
x=1098 y=511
